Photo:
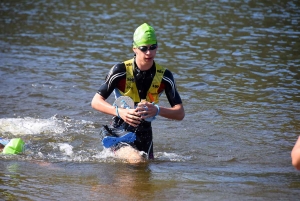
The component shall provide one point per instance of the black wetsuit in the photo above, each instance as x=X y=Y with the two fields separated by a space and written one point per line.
x=117 y=79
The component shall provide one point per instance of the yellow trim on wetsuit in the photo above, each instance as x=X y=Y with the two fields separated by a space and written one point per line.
x=131 y=89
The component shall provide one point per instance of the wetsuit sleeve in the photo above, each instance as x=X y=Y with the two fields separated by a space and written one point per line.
x=170 y=88
x=115 y=75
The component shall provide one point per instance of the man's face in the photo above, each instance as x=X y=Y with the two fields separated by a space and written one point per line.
x=146 y=52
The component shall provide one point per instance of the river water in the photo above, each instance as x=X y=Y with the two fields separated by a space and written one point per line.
x=236 y=65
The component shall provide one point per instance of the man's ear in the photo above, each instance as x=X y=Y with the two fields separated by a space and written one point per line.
x=134 y=50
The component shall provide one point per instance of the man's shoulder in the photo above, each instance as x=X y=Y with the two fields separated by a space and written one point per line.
x=118 y=68
x=120 y=65
x=168 y=73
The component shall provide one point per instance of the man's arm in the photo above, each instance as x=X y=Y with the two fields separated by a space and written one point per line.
x=295 y=154
x=176 y=111
x=116 y=73
x=99 y=104
x=130 y=116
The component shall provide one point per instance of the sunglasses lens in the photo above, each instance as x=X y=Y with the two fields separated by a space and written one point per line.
x=145 y=48
x=152 y=47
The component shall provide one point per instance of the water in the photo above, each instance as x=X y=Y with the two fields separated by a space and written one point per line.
x=236 y=65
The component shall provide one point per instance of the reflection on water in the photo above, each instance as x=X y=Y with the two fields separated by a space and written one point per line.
x=236 y=66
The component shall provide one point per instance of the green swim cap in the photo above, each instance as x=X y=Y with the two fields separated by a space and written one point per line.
x=15 y=146
x=144 y=35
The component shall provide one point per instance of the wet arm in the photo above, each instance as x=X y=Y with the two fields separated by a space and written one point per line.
x=295 y=154
x=130 y=116
x=176 y=112
x=99 y=104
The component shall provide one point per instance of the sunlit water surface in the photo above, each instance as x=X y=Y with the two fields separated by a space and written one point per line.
x=236 y=65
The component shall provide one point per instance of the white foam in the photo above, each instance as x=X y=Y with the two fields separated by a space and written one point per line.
x=105 y=153
x=30 y=126
x=171 y=156
x=66 y=148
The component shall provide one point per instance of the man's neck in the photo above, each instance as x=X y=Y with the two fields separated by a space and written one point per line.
x=142 y=65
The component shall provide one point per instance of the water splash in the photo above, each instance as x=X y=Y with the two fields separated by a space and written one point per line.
x=66 y=148
x=31 y=126
x=171 y=157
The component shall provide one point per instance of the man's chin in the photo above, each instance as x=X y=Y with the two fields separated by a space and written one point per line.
x=148 y=59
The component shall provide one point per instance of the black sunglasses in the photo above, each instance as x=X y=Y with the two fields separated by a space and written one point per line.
x=145 y=48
